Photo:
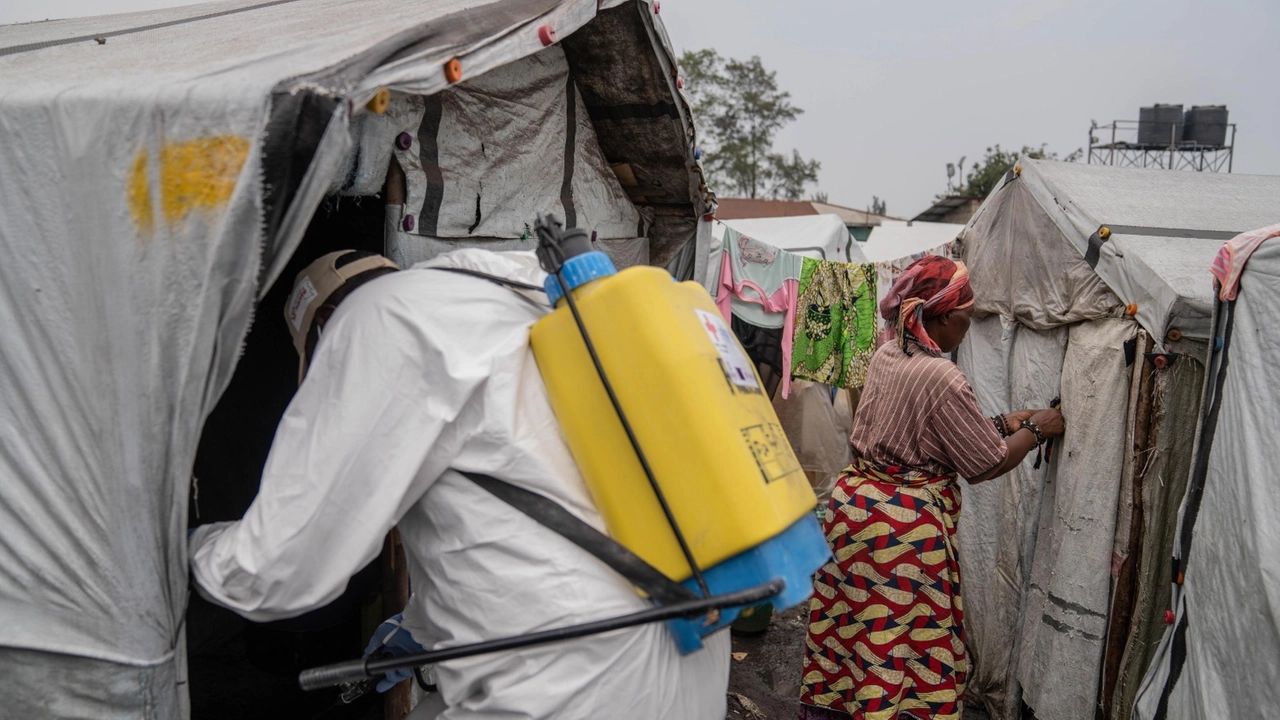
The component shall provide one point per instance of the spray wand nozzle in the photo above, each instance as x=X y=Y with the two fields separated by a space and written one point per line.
x=556 y=244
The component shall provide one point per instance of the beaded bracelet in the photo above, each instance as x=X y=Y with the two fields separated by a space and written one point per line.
x=1035 y=429
x=1000 y=426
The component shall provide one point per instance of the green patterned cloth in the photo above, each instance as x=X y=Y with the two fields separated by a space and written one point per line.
x=835 y=323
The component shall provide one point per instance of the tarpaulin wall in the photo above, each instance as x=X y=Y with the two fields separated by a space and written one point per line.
x=1038 y=543
x=1043 y=549
x=1161 y=466
x=1218 y=659
x=1007 y=366
x=157 y=170
x=1063 y=576
x=482 y=159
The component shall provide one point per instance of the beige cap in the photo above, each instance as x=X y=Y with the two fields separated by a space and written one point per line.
x=315 y=284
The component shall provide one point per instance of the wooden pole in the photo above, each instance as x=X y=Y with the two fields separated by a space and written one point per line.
x=396 y=702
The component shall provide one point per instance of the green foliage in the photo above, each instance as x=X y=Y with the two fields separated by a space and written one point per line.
x=986 y=174
x=739 y=110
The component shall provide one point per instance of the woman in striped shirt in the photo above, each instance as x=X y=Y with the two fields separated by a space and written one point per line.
x=886 y=637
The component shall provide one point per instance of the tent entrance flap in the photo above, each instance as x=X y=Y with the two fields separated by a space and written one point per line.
x=239 y=668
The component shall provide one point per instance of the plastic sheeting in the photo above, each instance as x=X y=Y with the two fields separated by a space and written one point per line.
x=1218 y=659
x=486 y=156
x=1038 y=544
x=1053 y=285
x=898 y=240
x=1009 y=367
x=152 y=184
x=408 y=249
x=1039 y=262
x=1064 y=620
x=1166 y=226
x=818 y=427
x=1164 y=471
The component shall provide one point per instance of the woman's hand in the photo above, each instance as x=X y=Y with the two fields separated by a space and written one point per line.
x=1050 y=423
x=1014 y=419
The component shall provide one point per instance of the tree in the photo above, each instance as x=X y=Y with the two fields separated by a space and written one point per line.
x=740 y=110
x=787 y=178
x=986 y=174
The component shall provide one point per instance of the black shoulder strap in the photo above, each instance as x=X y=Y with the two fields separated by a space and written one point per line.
x=551 y=515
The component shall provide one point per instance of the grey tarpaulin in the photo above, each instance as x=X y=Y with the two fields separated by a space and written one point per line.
x=1218 y=659
x=1008 y=366
x=493 y=152
x=152 y=185
x=1065 y=608
x=1044 y=550
x=1053 y=206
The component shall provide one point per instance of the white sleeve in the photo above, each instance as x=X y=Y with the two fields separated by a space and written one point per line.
x=373 y=426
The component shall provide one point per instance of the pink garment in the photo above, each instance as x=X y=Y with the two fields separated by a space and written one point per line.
x=1231 y=259
x=783 y=300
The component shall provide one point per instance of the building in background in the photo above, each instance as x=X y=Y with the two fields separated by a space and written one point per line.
x=958 y=209
x=859 y=222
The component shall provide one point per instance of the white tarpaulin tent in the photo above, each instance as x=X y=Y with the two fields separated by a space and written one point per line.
x=895 y=244
x=895 y=240
x=157 y=172
x=1218 y=659
x=823 y=237
x=1083 y=275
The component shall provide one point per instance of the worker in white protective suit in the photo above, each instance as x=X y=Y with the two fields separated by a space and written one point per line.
x=419 y=374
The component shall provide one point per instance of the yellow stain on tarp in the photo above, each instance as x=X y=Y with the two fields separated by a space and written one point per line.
x=194 y=175
x=140 y=193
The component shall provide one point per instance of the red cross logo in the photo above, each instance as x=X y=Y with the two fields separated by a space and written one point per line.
x=712 y=329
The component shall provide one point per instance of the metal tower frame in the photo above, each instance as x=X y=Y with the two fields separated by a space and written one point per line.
x=1122 y=150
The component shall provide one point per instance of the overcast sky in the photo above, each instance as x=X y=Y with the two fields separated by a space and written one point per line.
x=893 y=90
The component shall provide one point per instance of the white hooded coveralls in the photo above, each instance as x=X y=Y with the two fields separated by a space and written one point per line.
x=417 y=375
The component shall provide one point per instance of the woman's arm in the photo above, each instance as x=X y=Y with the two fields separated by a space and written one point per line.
x=1022 y=441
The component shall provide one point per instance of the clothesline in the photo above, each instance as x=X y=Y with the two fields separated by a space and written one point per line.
x=827 y=307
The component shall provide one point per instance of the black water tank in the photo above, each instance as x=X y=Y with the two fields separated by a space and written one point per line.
x=1160 y=125
x=1206 y=125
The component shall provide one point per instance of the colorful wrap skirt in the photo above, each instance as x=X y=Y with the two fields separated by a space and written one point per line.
x=886 y=636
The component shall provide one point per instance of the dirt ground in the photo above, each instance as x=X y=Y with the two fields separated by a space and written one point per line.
x=764 y=683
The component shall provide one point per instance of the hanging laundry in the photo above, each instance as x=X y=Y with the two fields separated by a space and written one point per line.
x=835 y=335
x=757 y=279
x=764 y=348
x=1231 y=258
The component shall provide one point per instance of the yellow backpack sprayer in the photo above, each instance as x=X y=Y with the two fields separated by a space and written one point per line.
x=707 y=508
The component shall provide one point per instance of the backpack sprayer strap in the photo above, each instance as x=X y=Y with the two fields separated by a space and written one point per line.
x=491 y=278
x=553 y=516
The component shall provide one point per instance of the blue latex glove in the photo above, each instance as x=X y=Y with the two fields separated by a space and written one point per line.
x=394 y=640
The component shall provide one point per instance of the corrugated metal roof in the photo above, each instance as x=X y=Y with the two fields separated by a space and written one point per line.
x=944 y=207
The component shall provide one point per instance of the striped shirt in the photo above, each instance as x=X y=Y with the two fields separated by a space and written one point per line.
x=918 y=411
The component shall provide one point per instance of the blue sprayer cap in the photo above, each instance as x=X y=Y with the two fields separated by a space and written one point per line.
x=578 y=271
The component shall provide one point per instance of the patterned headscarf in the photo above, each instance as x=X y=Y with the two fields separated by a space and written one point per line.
x=928 y=288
